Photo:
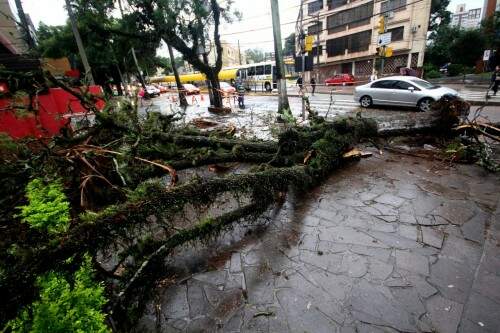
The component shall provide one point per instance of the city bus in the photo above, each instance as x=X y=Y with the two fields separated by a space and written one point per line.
x=257 y=76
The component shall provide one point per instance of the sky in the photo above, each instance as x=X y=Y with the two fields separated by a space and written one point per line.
x=256 y=16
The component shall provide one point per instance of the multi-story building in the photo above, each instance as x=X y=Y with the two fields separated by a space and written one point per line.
x=11 y=35
x=231 y=55
x=466 y=19
x=348 y=33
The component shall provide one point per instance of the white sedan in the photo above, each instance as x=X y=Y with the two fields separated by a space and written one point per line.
x=401 y=91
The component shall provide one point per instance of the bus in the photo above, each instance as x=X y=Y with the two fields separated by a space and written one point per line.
x=258 y=76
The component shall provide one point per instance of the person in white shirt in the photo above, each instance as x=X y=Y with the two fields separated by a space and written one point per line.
x=374 y=76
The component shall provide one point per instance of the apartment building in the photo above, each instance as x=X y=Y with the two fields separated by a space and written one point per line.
x=11 y=35
x=466 y=19
x=348 y=35
x=231 y=54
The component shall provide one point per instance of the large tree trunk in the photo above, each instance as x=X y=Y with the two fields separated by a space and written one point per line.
x=214 y=82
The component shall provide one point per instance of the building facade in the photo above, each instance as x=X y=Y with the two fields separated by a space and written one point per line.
x=11 y=35
x=348 y=32
x=231 y=55
x=466 y=19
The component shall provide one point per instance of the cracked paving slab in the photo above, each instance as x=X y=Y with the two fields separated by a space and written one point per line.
x=375 y=249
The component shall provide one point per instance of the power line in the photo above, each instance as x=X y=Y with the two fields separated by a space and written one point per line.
x=322 y=16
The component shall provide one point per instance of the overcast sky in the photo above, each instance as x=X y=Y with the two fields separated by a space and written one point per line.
x=256 y=16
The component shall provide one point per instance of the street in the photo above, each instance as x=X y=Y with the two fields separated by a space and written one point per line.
x=261 y=110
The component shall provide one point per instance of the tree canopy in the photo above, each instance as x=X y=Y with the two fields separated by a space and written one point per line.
x=254 y=55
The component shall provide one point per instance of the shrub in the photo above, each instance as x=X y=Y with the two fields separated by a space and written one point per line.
x=433 y=74
x=48 y=208
x=455 y=69
x=63 y=307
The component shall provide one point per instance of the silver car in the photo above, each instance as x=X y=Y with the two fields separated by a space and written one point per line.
x=400 y=91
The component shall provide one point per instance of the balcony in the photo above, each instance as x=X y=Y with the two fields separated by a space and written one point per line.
x=314 y=7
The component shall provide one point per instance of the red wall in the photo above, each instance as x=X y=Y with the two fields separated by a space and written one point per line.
x=50 y=118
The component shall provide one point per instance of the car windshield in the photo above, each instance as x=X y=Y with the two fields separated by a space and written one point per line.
x=424 y=84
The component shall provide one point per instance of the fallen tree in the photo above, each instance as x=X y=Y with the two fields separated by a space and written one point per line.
x=128 y=201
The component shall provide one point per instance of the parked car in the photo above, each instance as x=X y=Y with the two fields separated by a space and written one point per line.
x=226 y=88
x=191 y=89
x=401 y=91
x=340 y=80
x=153 y=91
x=163 y=88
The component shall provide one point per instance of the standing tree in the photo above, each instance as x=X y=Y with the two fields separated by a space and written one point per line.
x=254 y=55
x=189 y=26
x=440 y=16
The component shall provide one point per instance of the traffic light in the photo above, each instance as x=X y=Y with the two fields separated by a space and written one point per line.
x=309 y=43
x=381 y=25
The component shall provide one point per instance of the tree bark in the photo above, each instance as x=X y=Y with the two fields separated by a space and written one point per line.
x=182 y=96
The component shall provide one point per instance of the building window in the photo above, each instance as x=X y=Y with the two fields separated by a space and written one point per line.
x=336 y=47
x=392 y=6
x=313 y=52
x=315 y=29
x=360 y=41
x=353 y=43
x=314 y=6
x=397 y=34
x=332 y=4
x=351 y=18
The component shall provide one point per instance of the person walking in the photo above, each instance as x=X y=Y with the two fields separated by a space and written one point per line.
x=241 y=94
x=374 y=76
x=313 y=85
x=299 y=83
x=495 y=80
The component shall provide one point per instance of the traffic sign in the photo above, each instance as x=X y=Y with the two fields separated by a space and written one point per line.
x=486 y=55
x=388 y=52
x=385 y=39
x=309 y=43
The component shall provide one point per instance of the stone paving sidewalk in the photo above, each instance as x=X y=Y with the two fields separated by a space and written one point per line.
x=390 y=244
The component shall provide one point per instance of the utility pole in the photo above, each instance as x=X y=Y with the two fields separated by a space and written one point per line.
x=88 y=71
x=239 y=51
x=141 y=79
x=278 y=54
x=317 y=44
x=25 y=25
x=182 y=96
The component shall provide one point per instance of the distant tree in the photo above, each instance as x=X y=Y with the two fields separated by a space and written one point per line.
x=458 y=46
x=254 y=55
x=440 y=16
x=438 y=50
x=490 y=28
x=289 y=47
x=467 y=47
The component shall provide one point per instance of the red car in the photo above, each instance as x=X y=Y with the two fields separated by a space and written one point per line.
x=341 y=80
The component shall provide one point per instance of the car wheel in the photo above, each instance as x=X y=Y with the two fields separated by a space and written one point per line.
x=366 y=101
x=424 y=105
x=268 y=87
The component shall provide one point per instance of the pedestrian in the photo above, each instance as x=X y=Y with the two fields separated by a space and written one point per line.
x=241 y=94
x=313 y=85
x=495 y=80
x=299 y=83
x=374 y=76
